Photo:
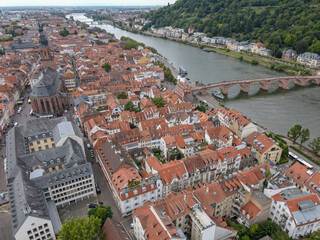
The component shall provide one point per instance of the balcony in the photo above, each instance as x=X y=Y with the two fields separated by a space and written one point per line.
x=237 y=207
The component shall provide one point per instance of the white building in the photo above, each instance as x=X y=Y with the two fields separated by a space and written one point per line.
x=310 y=59
x=297 y=212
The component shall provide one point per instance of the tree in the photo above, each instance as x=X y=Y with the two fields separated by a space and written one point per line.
x=315 y=235
x=253 y=229
x=315 y=145
x=106 y=67
x=122 y=95
x=201 y=108
x=81 y=229
x=121 y=55
x=156 y=150
x=279 y=235
x=267 y=228
x=101 y=212
x=64 y=32
x=305 y=135
x=129 y=106
x=315 y=47
x=294 y=132
x=301 y=46
x=158 y=101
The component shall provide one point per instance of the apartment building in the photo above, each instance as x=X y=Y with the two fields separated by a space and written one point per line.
x=177 y=216
x=297 y=212
x=310 y=59
x=130 y=190
x=263 y=147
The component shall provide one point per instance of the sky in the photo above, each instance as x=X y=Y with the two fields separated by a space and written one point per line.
x=7 y=3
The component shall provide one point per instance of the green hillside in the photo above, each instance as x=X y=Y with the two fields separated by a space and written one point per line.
x=277 y=23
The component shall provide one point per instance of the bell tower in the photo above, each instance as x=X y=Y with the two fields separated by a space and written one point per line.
x=47 y=59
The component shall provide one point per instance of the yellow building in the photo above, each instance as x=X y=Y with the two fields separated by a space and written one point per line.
x=263 y=147
x=144 y=60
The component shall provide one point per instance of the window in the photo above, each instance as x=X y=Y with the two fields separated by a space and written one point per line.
x=38 y=142
x=45 y=141
x=31 y=144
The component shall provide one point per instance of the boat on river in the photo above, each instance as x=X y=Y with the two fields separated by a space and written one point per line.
x=217 y=94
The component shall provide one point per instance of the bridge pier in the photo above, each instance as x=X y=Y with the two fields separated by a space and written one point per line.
x=245 y=87
x=316 y=81
x=224 y=89
x=284 y=83
x=301 y=82
x=265 y=85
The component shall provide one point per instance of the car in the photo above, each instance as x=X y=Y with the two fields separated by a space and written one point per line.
x=15 y=124
x=131 y=225
x=98 y=191
x=5 y=166
x=88 y=145
x=93 y=205
x=19 y=111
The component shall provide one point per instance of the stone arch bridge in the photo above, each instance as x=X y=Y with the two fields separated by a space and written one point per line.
x=283 y=82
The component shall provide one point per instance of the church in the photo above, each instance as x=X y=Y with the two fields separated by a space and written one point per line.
x=49 y=94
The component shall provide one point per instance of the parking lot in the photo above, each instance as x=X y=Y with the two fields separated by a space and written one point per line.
x=74 y=210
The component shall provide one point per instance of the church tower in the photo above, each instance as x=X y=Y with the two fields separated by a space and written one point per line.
x=47 y=59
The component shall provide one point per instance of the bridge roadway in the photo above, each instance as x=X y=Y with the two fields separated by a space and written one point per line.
x=264 y=83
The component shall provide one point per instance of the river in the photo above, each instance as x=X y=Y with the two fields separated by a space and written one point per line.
x=277 y=110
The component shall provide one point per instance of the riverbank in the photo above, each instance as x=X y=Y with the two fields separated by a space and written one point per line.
x=275 y=110
x=279 y=65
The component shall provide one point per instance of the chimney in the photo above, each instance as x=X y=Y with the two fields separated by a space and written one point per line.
x=207 y=189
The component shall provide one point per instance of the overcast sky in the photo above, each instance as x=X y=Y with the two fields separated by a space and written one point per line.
x=5 y=3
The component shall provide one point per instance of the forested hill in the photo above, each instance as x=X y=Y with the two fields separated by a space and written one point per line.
x=277 y=23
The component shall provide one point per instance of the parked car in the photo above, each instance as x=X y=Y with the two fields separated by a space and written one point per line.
x=88 y=145
x=15 y=124
x=93 y=205
x=98 y=188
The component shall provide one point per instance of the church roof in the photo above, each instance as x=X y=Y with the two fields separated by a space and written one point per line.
x=49 y=84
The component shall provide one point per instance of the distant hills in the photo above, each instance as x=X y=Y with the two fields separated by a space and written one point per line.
x=278 y=24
